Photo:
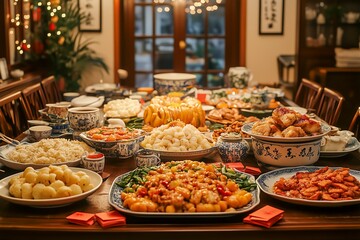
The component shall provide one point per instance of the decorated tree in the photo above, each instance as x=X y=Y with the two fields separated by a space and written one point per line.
x=57 y=39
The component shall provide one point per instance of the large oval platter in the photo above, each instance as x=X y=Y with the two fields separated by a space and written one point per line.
x=325 y=129
x=4 y=150
x=114 y=199
x=267 y=180
x=95 y=179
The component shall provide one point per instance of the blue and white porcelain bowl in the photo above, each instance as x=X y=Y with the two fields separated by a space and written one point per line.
x=173 y=82
x=84 y=118
x=282 y=154
x=119 y=149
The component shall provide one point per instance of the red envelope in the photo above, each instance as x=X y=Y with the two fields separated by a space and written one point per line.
x=110 y=219
x=266 y=216
x=81 y=218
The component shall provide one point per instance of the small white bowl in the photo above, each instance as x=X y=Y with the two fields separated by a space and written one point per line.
x=17 y=73
x=40 y=132
x=286 y=154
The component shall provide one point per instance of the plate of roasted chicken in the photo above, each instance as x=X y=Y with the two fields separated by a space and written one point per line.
x=286 y=125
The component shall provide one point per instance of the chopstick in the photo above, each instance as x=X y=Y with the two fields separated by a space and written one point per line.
x=9 y=140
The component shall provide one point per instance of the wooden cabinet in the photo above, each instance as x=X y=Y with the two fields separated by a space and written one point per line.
x=322 y=26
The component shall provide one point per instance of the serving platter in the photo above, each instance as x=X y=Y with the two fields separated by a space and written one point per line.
x=267 y=180
x=352 y=145
x=187 y=155
x=4 y=150
x=325 y=129
x=114 y=199
x=95 y=179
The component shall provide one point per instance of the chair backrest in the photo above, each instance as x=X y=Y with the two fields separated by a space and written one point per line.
x=13 y=114
x=51 y=90
x=308 y=94
x=355 y=124
x=34 y=99
x=331 y=103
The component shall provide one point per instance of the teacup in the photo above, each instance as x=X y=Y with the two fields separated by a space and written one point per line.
x=239 y=77
x=84 y=118
x=147 y=158
x=94 y=162
x=59 y=109
x=40 y=132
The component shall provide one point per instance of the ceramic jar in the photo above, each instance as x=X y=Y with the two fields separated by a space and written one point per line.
x=83 y=119
x=239 y=77
x=232 y=147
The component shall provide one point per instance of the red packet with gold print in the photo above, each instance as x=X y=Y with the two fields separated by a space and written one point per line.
x=81 y=218
x=110 y=219
x=266 y=216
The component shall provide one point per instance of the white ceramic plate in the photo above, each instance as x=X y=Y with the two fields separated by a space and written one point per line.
x=188 y=155
x=4 y=150
x=267 y=180
x=95 y=179
x=325 y=129
x=298 y=109
x=352 y=145
x=115 y=201
x=207 y=108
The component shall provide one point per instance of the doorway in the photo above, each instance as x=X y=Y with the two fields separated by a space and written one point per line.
x=158 y=36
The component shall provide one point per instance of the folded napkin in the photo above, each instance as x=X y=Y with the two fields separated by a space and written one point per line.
x=110 y=219
x=266 y=216
x=82 y=218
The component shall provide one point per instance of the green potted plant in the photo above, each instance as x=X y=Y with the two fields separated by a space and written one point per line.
x=69 y=56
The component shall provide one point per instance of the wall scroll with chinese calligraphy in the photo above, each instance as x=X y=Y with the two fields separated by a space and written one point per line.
x=271 y=17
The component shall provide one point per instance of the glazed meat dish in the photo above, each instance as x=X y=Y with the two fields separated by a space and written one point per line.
x=323 y=184
x=285 y=122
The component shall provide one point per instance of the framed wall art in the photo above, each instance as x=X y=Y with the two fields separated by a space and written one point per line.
x=92 y=11
x=4 y=73
x=271 y=17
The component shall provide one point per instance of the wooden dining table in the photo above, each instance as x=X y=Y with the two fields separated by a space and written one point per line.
x=299 y=222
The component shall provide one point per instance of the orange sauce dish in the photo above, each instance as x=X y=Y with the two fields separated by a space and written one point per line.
x=108 y=134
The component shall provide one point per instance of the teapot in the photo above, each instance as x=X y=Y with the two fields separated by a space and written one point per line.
x=239 y=77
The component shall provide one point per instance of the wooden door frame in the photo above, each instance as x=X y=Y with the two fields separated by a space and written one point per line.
x=118 y=36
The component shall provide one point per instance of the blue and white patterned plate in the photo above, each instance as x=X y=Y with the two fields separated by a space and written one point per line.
x=114 y=199
x=325 y=129
x=267 y=180
x=352 y=145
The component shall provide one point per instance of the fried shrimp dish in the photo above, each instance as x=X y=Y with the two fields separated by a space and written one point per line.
x=323 y=184
x=186 y=186
x=285 y=122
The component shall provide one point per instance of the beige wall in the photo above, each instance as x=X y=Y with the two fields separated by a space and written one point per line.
x=261 y=50
x=104 y=46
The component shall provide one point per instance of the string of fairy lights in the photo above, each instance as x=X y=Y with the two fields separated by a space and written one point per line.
x=193 y=7
x=53 y=10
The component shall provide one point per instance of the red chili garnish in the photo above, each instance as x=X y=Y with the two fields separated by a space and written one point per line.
x=164 y=183
x=142 y=191
x=222 y=191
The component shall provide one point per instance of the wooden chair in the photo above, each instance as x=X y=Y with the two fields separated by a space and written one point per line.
x=13 y=114
x=331 y=103
x=34 y=98
x=308 y=94
x=51 y=90
x=355 y=124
